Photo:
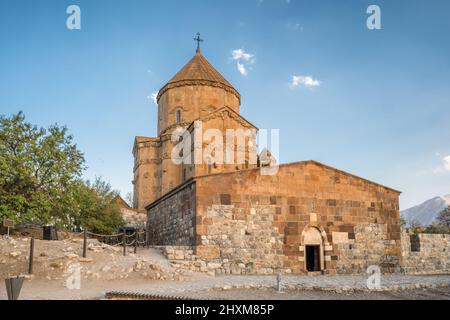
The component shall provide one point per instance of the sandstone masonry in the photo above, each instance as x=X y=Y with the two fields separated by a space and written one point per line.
x=224 y=218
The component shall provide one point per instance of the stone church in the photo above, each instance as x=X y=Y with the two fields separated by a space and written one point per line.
x=307 y=218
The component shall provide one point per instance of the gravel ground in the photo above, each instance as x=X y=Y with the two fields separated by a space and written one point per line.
x=250 y=287
x=107 y=270
x=272 y=294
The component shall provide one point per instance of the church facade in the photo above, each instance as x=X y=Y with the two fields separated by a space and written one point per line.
x=308 y=217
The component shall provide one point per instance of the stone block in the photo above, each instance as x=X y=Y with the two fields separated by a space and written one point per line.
x=214 y=265
x=208 y=252
x=340 y=237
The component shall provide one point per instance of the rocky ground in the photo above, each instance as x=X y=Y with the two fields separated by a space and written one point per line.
x=106 y=269
x=57 y=260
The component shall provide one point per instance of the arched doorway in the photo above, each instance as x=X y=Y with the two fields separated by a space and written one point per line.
x=314 y=249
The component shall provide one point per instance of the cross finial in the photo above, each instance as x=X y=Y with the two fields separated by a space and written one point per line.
x=198 y=39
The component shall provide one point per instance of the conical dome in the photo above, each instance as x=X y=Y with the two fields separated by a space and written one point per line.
x=198 y=71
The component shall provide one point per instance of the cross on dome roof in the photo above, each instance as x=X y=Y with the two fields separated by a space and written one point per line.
x=198 y=71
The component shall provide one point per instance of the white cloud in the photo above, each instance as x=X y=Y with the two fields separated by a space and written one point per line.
x=243 y=60
x=304 y=81
x=444 y=167
x=240 y=54
x=241 y=68
x=153 y=97
x=447 y=163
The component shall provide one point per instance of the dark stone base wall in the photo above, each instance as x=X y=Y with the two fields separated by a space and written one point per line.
x=171 y=219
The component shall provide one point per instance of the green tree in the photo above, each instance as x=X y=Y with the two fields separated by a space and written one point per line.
x=444 y=217
x=40 y=180
x=38 y=170
x=416 y=226
x=437 y=227
x=97 y=211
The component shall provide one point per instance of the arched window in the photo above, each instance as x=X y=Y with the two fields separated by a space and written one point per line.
x=178 y=116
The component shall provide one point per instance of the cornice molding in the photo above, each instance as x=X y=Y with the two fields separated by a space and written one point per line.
x=208 y=83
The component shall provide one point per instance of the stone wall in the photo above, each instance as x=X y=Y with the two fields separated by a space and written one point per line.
x=300 y=197
x=425 y=253
x=184 y=257
x=247 y=240
x=430 y=253
x=171 y=219
x=133 y=218
x=370 y=246
x=195 y=101
x=146 y=182
x=245 y=222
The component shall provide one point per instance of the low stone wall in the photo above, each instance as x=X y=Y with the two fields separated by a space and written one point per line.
x=184 y=257
x=177 y=253
x=425 y=253
x=254 y=246
x=369 y=247
x=421 y=253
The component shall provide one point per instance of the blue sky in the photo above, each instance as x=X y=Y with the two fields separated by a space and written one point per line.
x=377 y=103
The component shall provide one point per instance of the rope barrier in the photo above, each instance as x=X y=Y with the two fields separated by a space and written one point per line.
x=105 y=235
x=117 y=240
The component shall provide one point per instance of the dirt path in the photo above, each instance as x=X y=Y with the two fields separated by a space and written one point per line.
x=56 y=260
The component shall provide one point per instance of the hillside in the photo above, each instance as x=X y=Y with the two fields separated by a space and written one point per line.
x=426 y=212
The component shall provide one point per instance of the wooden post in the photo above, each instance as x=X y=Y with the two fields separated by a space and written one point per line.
x=135 y=241
x=30 y=265
x=84 y=243
x=124 y=243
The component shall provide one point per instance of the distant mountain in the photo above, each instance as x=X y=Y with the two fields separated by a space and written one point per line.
x=426 y=212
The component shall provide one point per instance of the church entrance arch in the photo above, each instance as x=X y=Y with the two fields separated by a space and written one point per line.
x=313 y=243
